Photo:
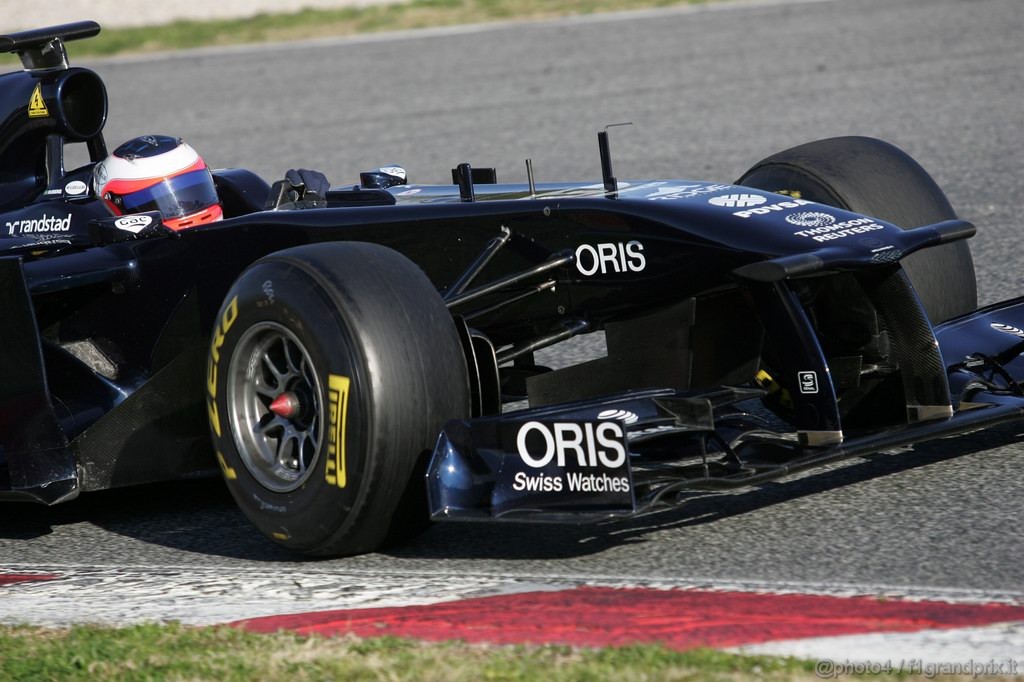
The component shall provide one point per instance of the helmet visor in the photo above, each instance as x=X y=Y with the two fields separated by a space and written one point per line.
x=174 y=197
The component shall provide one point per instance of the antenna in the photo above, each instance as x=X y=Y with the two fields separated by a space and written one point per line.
x=464 y=178
x=529 y=178
x=611 y=185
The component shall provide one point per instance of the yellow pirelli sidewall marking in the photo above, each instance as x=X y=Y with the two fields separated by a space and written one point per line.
x=229 y=473
x=36 y=105
x=280 y=536
x=228 y=319
x=337 y=412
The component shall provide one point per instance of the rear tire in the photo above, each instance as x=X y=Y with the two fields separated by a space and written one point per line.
x=872 y=177
x=366 y=354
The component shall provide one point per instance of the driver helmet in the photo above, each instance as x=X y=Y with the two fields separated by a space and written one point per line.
x=158 y=173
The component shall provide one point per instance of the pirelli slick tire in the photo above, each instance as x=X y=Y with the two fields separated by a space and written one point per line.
x=332 y=369
x=875 y=178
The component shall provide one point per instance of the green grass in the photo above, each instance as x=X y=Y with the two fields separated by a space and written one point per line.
x=311 y=23
x=174 y=652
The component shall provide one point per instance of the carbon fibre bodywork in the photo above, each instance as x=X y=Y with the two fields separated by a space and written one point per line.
x=712 y=298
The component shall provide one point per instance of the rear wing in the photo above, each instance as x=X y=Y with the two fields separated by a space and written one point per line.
x=42 y=49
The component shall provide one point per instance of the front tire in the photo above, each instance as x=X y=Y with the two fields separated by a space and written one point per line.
x=873 y=177
x=332 y=369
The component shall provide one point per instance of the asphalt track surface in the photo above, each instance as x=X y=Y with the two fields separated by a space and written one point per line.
x=710 y=93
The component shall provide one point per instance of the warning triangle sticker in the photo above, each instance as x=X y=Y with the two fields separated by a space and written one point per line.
x=36 y=105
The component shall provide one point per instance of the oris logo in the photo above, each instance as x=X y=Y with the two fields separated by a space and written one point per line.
x=810 y=219
x=605 y=258
x=737 y=200
x=588 y=445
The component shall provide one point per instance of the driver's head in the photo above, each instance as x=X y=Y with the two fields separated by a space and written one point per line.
x=158 y=173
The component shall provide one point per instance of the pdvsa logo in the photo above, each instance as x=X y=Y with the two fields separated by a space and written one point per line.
x=781 y=206
x=737 y=200
x=610 y=257
x=588 y=445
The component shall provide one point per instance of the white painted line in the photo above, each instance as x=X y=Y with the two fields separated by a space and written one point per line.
x=911 y=652
x=910 y=591
x=907 y=591
x=204 y=595
x=126 y=594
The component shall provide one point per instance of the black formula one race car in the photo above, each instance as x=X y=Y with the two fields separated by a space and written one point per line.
x=351 y=353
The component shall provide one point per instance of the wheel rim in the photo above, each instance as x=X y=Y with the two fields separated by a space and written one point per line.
x=275 y=407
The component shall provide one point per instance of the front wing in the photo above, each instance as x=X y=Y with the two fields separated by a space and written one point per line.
x=636 y=452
